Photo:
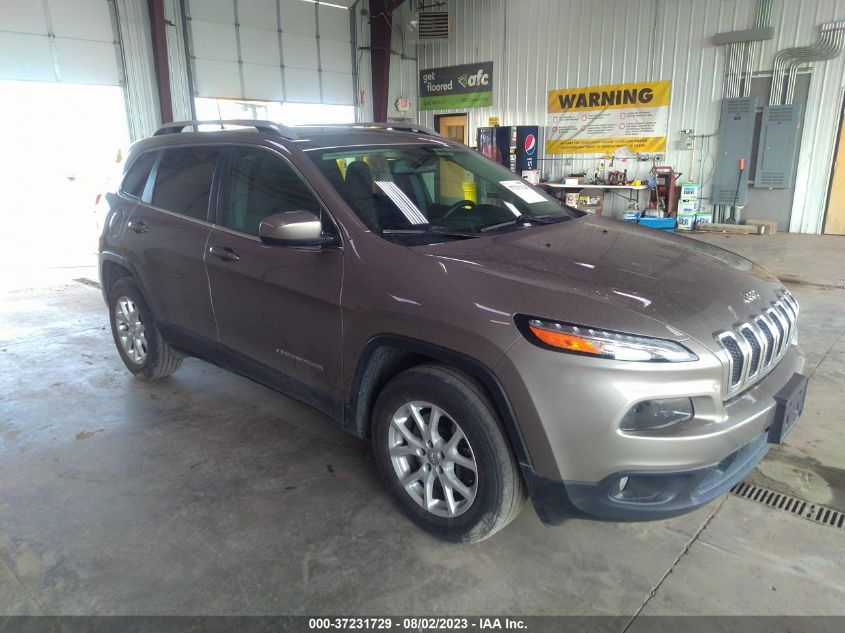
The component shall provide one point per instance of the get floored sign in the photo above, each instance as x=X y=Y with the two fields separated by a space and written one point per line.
x=467 y=86
x=605 y=119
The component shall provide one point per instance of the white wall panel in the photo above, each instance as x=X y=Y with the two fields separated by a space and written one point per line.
x=81 y=19
x=302 y=86
x=218 y=78
x=337 y=87
x=300 y=51
x=539 y=45
x=26 y=57
x=177 y=63
x=87 y=62
x=335 y=56
x=23 y=16
x=260 y=46
x=263 y=83
x=214 y=40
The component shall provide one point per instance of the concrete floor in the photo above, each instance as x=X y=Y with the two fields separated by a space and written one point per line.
x=208 y=494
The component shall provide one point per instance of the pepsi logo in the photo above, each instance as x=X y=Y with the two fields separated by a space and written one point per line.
x=530 y=144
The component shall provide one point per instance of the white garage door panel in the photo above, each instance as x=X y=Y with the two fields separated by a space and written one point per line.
x=23 y=16
x=216 y=10
x=300 y=51
x=26 y=57
x=218 y=79
x=259 y=46
x=260 y=14
x=81 y=19
x=303 y=86
x=334 y=23
x=85 y=62
x=214 y=40
x=83 y=48
x=335 y=56
x=289 y=50
x=263 y=83
x=337 y=88
x=298 y=17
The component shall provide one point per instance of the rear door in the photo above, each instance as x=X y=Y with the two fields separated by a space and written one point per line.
x=166 y=237
x=277 y=307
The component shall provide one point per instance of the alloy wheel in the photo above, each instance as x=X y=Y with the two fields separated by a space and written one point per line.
x=130 y=330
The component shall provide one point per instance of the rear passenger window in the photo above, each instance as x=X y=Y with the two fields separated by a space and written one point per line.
x=136 y=178
x=183 y=180
x=261 y=184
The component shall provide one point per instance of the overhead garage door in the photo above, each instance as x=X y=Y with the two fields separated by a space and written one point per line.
x=70 y=41
x=271 y=50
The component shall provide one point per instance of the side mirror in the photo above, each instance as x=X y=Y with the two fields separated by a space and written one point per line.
x=293 y=228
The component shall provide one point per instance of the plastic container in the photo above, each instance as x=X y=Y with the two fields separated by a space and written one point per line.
x=630 y=216
x=664 y=224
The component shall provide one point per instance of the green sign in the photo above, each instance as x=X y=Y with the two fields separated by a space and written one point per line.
x=456 y=87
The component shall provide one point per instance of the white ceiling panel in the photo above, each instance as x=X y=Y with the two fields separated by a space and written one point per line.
x=26 y=57
x=23 y=16
x=214 y=40
x=263 y=83
x=212 y=10
x=81 y=19
x=338 y=88
x=302 y=86
x=218 y=79
x=260 y=14
x=259 y=46
x=87 y=62
x=300 y=51
x=298 y=17
x=335 y=56
x=334 y=23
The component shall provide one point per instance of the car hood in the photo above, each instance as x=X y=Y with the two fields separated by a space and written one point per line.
x=604 y=273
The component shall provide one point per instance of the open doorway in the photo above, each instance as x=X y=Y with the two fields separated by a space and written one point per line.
x=455 y=127
x=834 y=223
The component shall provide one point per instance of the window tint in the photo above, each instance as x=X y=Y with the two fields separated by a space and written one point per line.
x=183 y=180
x=136 y=178
x=261 y=184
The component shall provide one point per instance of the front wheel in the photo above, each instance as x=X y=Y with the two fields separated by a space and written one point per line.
x=442 y=454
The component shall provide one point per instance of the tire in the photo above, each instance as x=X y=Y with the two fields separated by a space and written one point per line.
x=489 y=497
x=152 y=358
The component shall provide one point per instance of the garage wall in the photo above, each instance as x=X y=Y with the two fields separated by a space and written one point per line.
x=538 y=45
x=271 y=50
x=72 y=41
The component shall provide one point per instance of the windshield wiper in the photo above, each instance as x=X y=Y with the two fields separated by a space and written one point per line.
x=431 y=229
x=539 y=219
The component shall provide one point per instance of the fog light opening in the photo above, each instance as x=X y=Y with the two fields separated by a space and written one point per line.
x=656 y=415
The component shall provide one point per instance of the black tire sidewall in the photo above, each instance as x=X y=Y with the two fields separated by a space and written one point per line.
x=475 y=419
x=126 y=287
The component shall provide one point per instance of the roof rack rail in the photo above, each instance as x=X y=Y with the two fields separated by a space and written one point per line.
x=266 y=127
x=399 y=127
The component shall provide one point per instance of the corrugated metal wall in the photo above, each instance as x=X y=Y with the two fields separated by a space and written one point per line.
x=538 y=45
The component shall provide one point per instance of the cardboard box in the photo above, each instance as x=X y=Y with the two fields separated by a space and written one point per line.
x=574 y=181
x=687 y=207
x=686 y=221
x=767 y=227
x=689 y=191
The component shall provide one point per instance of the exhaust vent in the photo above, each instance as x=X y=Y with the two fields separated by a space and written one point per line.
x=433 y=25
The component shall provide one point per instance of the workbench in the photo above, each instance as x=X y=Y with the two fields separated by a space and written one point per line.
x=634 y=191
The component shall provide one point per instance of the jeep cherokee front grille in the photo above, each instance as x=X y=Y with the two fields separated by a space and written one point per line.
x=756 y=346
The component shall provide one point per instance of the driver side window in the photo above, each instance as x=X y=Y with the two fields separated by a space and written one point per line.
x=261 y=184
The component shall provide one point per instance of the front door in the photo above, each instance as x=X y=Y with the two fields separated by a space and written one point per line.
x=454 y=127
x=277 y=307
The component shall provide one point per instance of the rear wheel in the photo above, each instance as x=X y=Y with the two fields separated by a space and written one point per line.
x=137 y=337
x=442 y=454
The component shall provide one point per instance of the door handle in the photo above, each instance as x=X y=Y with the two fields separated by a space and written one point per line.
x=224 y=252
x=138 y=226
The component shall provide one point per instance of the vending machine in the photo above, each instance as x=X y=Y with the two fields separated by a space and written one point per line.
x=514 y=146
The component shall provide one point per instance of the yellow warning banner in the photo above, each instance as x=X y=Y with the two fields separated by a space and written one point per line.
x=630 y=118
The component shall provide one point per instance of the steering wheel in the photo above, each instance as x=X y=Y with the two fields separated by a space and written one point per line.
x=461 y=204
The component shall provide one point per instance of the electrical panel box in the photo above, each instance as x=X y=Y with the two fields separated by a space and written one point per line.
x=736 y=138
x=780 y=138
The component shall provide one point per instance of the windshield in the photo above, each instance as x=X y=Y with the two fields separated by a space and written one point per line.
x=434 y=190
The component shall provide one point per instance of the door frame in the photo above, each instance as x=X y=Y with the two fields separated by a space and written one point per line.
x=465 y=115
x=840 y=131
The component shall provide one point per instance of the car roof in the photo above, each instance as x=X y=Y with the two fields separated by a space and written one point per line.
x=310 y=137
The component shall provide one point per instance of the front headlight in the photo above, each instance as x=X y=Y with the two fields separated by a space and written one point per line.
x=578 y=339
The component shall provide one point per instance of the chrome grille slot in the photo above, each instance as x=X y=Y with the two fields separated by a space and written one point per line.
x=754 y=347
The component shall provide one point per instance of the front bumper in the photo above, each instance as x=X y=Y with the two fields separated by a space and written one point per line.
x=647 y=496
x=580 y=459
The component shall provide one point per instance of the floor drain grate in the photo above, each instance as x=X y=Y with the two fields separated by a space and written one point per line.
x=87 y=282
x=813 y=284
x=780 y=501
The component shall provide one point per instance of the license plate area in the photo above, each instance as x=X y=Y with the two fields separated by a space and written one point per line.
x=790 y=405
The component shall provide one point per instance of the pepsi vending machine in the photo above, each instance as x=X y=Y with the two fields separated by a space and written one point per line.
x=514 y=146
